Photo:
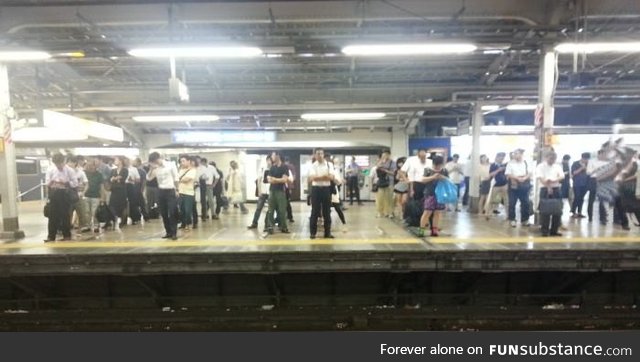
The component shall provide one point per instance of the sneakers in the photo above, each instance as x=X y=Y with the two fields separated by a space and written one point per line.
x=252 y=226
x=526 y=224
x=513 y=224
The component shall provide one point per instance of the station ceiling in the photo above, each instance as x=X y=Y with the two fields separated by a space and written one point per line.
x=309 y=73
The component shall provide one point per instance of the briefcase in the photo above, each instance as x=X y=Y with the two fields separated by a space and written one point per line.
x=550 y=206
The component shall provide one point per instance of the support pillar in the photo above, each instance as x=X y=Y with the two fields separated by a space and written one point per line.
x=544 y=123
x=399 y=143
x=9 y=179
x=477 y=121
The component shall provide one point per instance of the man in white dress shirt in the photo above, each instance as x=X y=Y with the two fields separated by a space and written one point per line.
x=550 y=175
x=60 y=180
x=321 y=175
x=167 y=175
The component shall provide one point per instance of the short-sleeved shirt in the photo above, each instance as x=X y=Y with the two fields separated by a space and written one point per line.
x=581 y=179
x=430 y=187
x=321 y=169
x=554 y=172
x=456 y=171
x=500 y=178
x=95 y=181
x=186 y=188
x=518 y=169
x=278 y=172
x=414 y=168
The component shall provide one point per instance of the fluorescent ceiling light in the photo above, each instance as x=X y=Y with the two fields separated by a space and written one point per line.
x=521 y=107
x=197 y=52
x=342 y=116
x=490 y=108
x=177 y=118
x=408 y=49
x=618 y=47
x=9 y=56
x=44 y=134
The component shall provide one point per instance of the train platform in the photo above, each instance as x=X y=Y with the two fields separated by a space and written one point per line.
x=468 y=243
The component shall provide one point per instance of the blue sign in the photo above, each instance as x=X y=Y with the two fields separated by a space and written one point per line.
x=222 y=137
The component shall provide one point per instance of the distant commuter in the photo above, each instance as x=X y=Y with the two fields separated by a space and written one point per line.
x=431 y=206
x=186 y=178
x=93 y=193
x=353 y=181
x=218 y=190
x=321 y=175
x=133 y=192
x=500 y=191
x=484 y=178
x=413 y=171
x=550 y=177
x=167 y=177
x=278 y=178
x=385 y=169
x=236 y=186
x=60 y=180
x=118 y=200
x=289 y=186
x=401 y=187
x=580 y=184
x=519 y=173
x=262 y=192
x=456 y=174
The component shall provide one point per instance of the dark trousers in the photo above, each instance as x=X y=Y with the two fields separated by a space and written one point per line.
x=151 y=194
x=289 y=210
x=142 y=203
x=549 y=224
x=340 y=213
x=204 y=205
x=134 y=203
x=592 y=187
x=187 y=205
x=262 y=200
x=621 y=212
x=320 y=204
x=579 y=192
x=167 y=203
x=353 y=188
x=521 y=195
x=418 y=191
x=465 y=197
x=59 y=211
x=218 y=197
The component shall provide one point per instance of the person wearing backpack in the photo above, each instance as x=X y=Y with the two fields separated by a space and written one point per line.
x=519 y=175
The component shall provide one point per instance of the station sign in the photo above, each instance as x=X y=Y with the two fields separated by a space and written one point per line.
x=222 y=137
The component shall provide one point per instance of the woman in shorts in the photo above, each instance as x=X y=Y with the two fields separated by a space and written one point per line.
x=401 y=188
x=431 y=206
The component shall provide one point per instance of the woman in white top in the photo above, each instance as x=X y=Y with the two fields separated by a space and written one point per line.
x=485 y=182
x=186 y=178
x=335 y=196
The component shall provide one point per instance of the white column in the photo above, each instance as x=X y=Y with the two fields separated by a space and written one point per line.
x=399 y=144
x=9 y=178
x=477 y=122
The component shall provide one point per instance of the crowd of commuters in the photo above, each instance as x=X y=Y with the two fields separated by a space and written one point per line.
x=101 y=193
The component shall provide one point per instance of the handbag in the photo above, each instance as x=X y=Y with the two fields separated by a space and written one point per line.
x=550 y=206
x=47 y=209
x=446 y=192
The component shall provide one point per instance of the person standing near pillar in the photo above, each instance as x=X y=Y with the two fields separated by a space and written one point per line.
x=353 y=186
x=580 y=184
x=140 y=186
x=499 y=193
x=61 y=181
x=413 y=172
x=118 y=199
x=289 y=188
x=320 y=175
x=519 y=174
x=212 y=178
x=167 y=178
x=236 y=187
x=262 y=185
x=456 y=174
x=133 y=190
x=467 y=182
x=550 y=177
x=277 y=178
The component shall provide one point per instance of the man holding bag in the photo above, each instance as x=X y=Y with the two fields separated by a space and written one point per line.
x=549 y=176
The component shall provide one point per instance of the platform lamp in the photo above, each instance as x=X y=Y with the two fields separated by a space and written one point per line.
x=9 y=188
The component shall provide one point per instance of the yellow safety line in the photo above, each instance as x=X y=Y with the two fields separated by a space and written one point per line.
x=204 y=243
x=537 y=239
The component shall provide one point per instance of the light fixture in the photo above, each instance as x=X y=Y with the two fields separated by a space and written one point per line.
x=44 y=134
x=13 y=56
x=521 y=107
x=342 y=116
x=490 y=107
x=409 y=49
x=197 y=52
x=177 y=118
x=617 y=47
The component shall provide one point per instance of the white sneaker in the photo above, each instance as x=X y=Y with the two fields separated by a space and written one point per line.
x=513 y=224
x=344 y=229
x=526 y=224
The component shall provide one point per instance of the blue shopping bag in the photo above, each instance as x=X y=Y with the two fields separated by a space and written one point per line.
x=446 y=192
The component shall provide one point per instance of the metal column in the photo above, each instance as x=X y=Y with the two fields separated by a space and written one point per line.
x=474 y=181
x=9 y=178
